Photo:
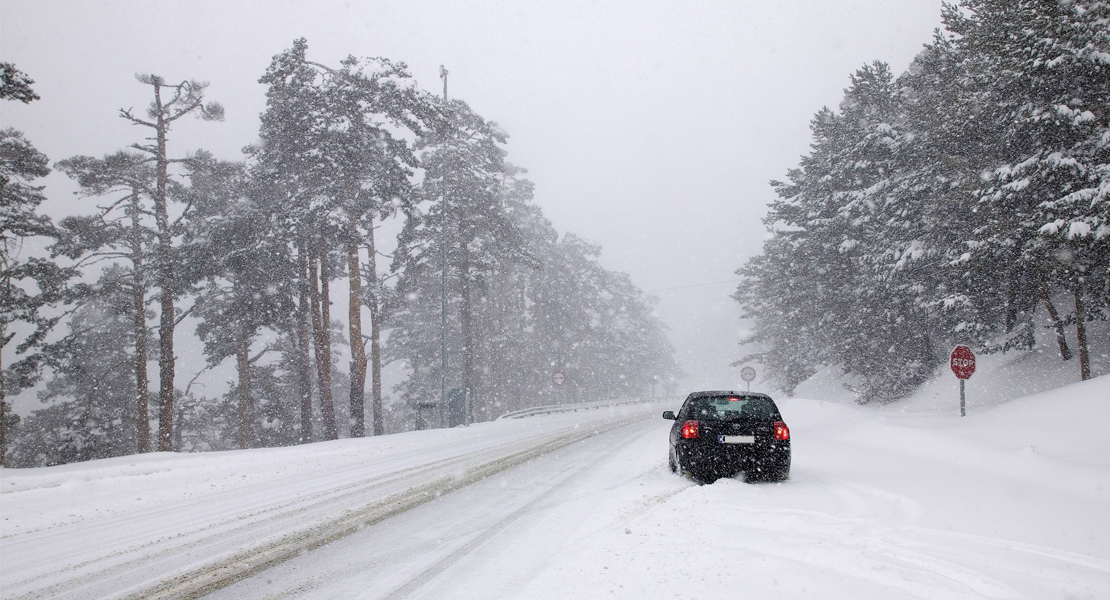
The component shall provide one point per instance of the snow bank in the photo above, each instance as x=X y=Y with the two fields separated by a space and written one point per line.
x=998 y=377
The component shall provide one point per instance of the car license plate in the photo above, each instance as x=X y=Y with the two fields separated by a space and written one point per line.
x=736 y=439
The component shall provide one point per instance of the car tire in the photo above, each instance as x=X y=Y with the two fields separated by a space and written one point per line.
x=671 y=462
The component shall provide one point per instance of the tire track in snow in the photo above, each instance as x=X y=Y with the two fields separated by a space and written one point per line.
x=430 y=573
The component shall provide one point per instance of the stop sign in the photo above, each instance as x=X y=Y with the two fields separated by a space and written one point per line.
x=962 y=362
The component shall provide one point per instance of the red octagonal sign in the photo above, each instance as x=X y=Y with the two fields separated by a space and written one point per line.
x=962 y=361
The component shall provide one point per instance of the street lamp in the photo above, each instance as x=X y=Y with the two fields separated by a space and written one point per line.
x=443 y=294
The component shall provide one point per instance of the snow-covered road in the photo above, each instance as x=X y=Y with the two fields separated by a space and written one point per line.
x=165 y=525
x=883 y=502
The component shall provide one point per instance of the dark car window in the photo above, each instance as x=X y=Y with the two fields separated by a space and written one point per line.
x=727 y=408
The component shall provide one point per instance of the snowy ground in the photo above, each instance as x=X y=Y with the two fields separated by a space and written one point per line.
x=903 y=501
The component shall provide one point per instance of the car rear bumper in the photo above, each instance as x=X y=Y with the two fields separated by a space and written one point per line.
x=705 y=457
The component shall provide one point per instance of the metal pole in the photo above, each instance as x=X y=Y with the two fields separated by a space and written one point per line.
x=443 y=295
x=443 y=317
x=963 y=412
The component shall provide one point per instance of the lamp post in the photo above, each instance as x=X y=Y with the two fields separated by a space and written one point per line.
x=443 y=294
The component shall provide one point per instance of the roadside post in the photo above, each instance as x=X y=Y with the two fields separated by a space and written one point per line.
x=962 y=361
x=748 y=375
x=457 y=401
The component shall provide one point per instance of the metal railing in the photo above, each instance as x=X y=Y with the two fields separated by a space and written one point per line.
x=561 y=408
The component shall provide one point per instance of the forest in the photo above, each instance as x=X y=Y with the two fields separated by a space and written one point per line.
x=946 y=206
x=481 y=294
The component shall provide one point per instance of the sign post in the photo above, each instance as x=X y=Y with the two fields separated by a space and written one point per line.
x=748 y=375
x=962 y=361
x=558 y=377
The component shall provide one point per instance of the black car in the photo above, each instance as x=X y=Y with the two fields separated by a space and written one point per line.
x=719 y=434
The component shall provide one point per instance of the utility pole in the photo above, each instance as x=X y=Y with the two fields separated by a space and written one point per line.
x=443 y=294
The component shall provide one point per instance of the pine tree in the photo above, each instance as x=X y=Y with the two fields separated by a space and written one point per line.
x=1045 y=88
x=171 y=102
x=15 y=84
x=539 y=304
x=367 y=100
x=120 y=229
x=949 y=206
x=831 y=287
x=332 y=139
x=466 y=226
x=96 y=417
x=249 y=272
x=28 y=283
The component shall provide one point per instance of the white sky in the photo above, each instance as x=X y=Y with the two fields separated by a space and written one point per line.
x=649 y=127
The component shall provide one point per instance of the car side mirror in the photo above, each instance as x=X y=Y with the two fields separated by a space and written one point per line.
x=669 y=415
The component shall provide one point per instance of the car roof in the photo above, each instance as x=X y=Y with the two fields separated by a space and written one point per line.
x=728 y=393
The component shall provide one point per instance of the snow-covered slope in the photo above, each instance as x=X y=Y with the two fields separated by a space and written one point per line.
x=998 y=377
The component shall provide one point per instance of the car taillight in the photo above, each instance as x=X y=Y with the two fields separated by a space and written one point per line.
x=690 y=430
x=782 y=432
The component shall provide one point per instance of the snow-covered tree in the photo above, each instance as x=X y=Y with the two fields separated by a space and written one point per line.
x=538 y=304
x=946 y=205
x=234 y=244
x=29 y=282
x=15 y=84
x=465 y=233
x=121 y=229
x=171 y=101
x=334 y=140
x=94 y=414
x=1044 y=84
x=832 y=286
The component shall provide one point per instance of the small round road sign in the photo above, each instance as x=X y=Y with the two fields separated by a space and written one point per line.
x=747 y=374
x=962 y=361
x=558 y=377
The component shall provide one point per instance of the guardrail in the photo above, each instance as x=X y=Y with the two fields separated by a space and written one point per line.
x=561 y=408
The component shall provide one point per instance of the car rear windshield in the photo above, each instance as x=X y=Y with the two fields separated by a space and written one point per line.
x=731 y=407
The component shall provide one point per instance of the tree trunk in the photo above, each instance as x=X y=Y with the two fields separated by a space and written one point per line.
x=375 y=331
x=300 y=338
x=162 y=115
x=321 y=322
x=466 y=318
x=1081 y=335
x=1057 y=324
x=138 y=294
x=166 y=286
x=243 y=366
x=1010 y=315
x=142 y=400
x=354 y=320
x=177 y=433
x=3 y=402
x=330 y=431
x=376 y=368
